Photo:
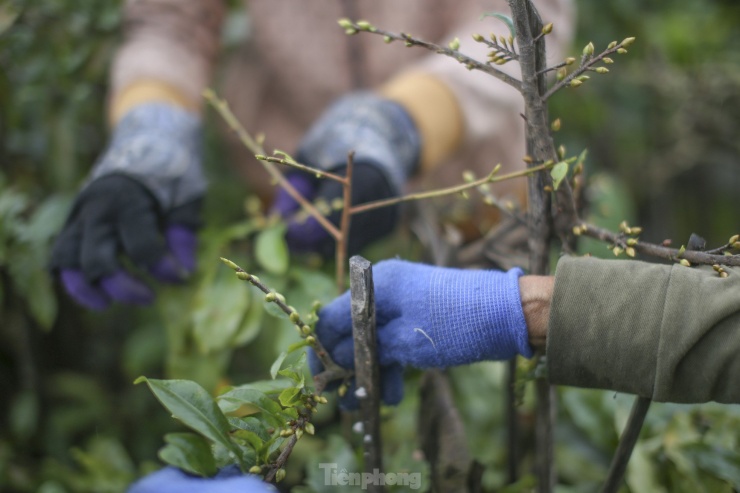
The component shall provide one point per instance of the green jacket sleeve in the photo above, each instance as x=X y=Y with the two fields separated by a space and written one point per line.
x=667 y=332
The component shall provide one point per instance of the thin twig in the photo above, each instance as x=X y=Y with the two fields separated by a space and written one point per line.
x=308 y=169
x=626 y=445
x=467 y=61
x=586 y=65
x=343 y=241
x=304 y=329
x=223 y=109
x=491 y=178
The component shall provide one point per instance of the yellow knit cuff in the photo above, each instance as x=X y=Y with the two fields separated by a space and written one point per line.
x=147 y=91
x=435 y=111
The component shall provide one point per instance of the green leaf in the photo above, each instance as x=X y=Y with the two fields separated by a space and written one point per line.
x=507 y=20
x=266 y=386
x=277 y=364
x=252 y=424
x=250 y=326
x=297 y=345
x=558 y=173
x=219 y=313
x=234 y=399
x=194 y=407
x=189 y=452
x=271 y=251
x=289 y=397
x=250 y=437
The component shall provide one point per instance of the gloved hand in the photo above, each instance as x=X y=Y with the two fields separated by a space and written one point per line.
x=387 y=148
x=173 y=480
x=142 y=201
x=429 y=317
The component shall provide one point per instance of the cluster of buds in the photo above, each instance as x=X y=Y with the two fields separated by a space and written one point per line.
x=352 y=28
x=629 y=230
x=721 y=272
x=734 y=242
x=503 y=50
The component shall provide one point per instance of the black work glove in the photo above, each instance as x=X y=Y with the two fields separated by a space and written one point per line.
x=387 y=148
x=142 y=202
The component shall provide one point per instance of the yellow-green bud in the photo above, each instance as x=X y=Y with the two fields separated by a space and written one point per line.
x=617 y=251
x=588 y=50
x=280 y=475
x=454 y=44
x=736 y=245
x=685 y=262
x=733 y=239
x=681 y=250
x=323 y=400
x=717 y=268
x=387 y=39
x=547 y=28
x=468 y=176
x=244 y=276
x=627 y=41
x=612 y=45
x=562 y=72
x=365 y=26
x=570 y=60
x=555 y=126
x=635 y=230
x=632 y=241
x=306 y=330
x=577 y=230
x=255 y=470
x=311 y=340
x=478 y=37
x=295 y=317
x=630 y=251
x=575 y=83
x=270 y=297
x=621 y=51
x=345 y=23
x=287 y=432
x=351 y=31
x=624 y=227
x=310 y=428
x=342 y=390
x=607 y=60
x=299 y=433
x=723 y=274
x=561 y=151
x=229 y=263
x=601 y=70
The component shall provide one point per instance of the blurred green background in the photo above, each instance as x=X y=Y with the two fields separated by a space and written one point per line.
x=661 y=130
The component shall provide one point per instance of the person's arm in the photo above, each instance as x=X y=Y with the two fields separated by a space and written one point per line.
x=167 y=55
x=667 y=332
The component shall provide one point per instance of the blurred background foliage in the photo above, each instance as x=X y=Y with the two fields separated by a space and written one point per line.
x=661 y=131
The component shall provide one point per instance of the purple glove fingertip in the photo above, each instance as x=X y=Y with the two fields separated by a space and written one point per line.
x=183 y=243
x=284 y=204
x=124 y=288
x=82 y=292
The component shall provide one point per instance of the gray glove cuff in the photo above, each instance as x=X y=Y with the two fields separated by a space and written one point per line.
x=379 y=131
x=159 y=146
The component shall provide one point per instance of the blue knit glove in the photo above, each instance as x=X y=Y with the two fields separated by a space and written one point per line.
x=430 y=317
x=387 y=148
x=172 y=480
x=142 y=201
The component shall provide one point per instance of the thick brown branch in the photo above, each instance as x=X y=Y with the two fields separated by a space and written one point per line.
x=659 y=251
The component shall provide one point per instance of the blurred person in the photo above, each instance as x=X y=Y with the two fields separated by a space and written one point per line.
x=414 y=119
